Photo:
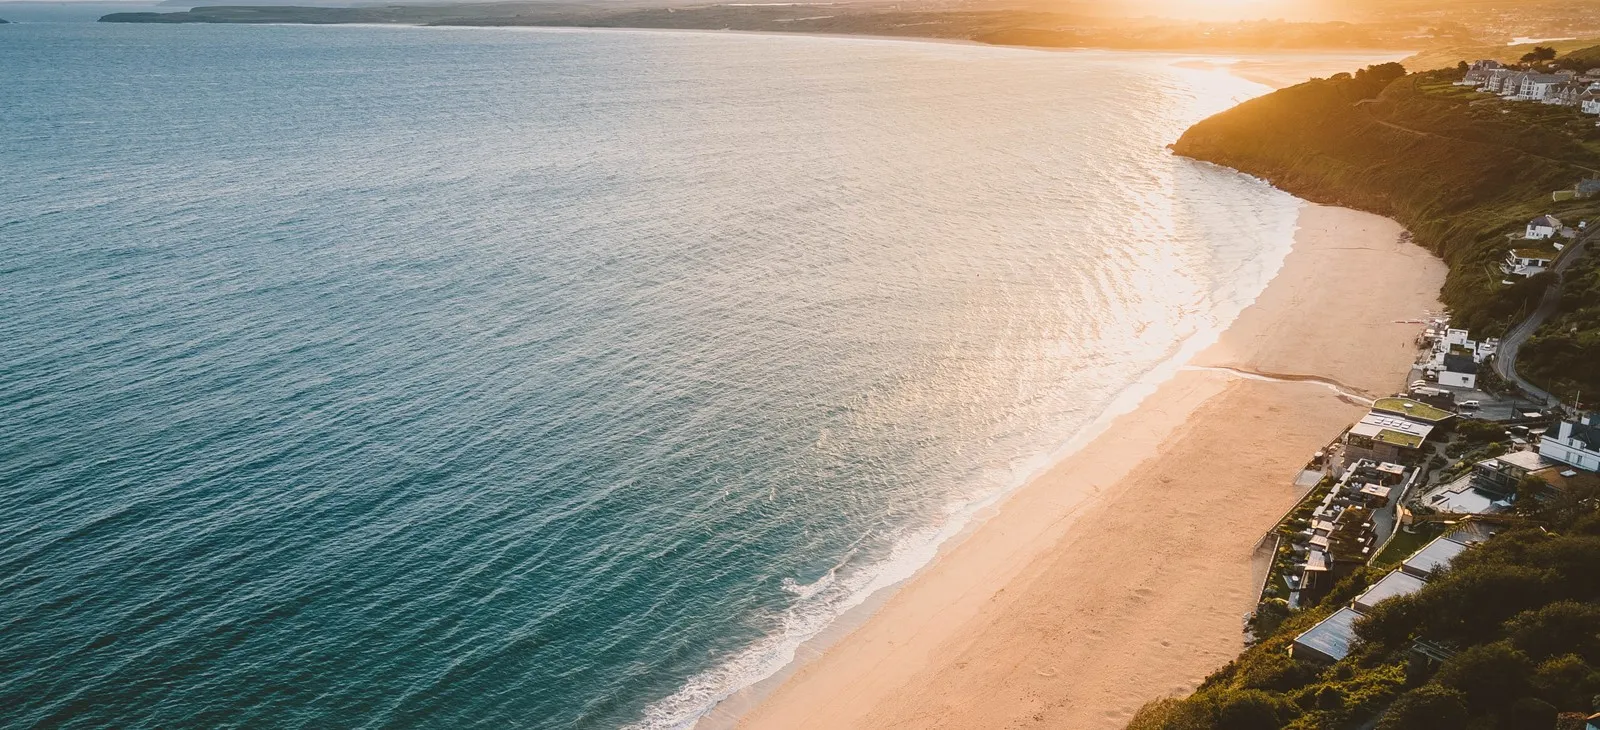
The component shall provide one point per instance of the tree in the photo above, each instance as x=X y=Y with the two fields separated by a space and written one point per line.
x=1567 y=683
x=1373 y=79
x=1492 y=676
x=1564 y=627
x=1529 y=490
x=1381 y=74
x=1539 y=54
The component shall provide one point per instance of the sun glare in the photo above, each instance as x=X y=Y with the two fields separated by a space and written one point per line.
x=1225 y=10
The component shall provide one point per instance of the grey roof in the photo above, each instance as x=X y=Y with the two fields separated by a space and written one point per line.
x=1460 y=364
x=1546 y=220
x=1331 y=638
x=1394 y=584
x=1432 y=557
x=1589 y=186
x=1525 y=460
x=1587 y=431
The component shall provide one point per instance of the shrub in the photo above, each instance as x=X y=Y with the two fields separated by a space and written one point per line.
x=1171 y=714
x=1558 y=628
x=1567 y=683
x=1268 y=617
x=1277 y=671
x=1429 y=707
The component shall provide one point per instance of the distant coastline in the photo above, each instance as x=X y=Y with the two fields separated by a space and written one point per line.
x=1027 y=29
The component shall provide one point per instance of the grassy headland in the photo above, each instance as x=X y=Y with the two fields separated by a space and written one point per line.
x=1462 y=170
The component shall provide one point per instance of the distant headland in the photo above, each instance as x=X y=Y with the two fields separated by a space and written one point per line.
x=943 y=21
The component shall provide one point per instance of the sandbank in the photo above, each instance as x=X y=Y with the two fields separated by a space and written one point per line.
x=1123 y=574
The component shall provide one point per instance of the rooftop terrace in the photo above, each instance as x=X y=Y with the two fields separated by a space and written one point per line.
x=1412 y=409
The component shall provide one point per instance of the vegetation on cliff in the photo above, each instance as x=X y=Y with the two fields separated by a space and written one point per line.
x=1518 y=617
x=1464 y=171
x=1516 y=621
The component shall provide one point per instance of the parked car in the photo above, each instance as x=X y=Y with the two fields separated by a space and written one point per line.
x=1470 y=404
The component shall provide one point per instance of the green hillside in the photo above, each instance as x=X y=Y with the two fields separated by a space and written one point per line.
x=1516 y=622
x=1460 y=169
x=1448 y=54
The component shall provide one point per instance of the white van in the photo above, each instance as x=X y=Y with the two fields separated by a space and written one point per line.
x=1469 y=404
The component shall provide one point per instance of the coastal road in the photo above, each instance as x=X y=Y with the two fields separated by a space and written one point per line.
x=1505 y=359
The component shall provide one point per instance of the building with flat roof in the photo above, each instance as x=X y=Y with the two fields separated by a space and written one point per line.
x=1396 y=583
x=1380 y=436
x=1500 y=475
x=1527 y=262
x=1433 y=557
x=1459 y=371
x=1412 y=410
x=1329 y=640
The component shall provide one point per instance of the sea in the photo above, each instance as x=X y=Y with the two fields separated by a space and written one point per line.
x=382 y=377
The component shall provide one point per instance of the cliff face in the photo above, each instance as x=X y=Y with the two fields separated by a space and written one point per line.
x=1459 y=171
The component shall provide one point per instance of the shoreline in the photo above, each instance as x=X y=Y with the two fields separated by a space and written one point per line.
x=1055 y=608
x=731 y=711
x=1287 y=69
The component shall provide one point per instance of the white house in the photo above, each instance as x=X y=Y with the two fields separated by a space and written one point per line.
x=1511 y=84
x=1574 y=443
x=1459 y=371
x=1538 y=87
x=1545 y=226
x=1565 y=93
x=1480 y=72
x=1486 y=349
x=1527 y=262
x=1589 y=100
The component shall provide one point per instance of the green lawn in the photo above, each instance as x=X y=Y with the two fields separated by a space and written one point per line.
x=1406 y=543
x=1417 y=410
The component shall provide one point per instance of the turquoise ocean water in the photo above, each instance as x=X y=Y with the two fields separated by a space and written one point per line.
x=401 y=377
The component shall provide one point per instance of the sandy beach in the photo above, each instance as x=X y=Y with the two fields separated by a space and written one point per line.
x=1124 y=573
